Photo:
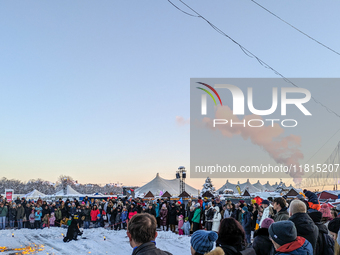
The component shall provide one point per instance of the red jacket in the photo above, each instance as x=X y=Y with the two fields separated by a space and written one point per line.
x=132 y=214
x=94 y=214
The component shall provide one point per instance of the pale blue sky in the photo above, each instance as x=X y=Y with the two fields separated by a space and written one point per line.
x=92 y=88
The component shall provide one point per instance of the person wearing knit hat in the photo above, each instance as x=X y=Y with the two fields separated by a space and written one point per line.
x=196 y=219
x=285 y=240
x=333 y=227
x=326 y=212
x=202 y=242
x=266 y=210
x=262 y=243
x=246 y=223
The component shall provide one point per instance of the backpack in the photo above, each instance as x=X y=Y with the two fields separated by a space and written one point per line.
x=328 y=244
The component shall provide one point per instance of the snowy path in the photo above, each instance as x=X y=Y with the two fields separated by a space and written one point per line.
x=116 y=242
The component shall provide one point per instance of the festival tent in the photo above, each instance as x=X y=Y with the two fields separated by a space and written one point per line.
x=166 y=194
x=149 y=195
x=207 y=194
x=248 y=186
x=35 y=194
x=292 y=193
x=69 y=192
x=275 y=186
x=259 y=186
x=268 y=187
x=159 y=185
x=228 y=185
x=184 y=194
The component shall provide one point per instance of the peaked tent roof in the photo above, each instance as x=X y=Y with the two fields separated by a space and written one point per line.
x=246 y=194
x=248 y=186
x=228 y=185
x=207 y=194
x=166 y=194
x=259 y=186
x=34 y=194
x=268 y=187
x=292 y=193
x=69 y=192
x=149 y=194
x=184 y=194
x=159 y=185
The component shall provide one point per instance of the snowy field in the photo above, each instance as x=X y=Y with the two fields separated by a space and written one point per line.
x=91 y=242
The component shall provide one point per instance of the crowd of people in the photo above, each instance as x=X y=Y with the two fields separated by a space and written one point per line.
x=272 y=226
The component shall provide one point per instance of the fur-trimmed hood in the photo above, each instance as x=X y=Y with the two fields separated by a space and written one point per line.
x=216 y=251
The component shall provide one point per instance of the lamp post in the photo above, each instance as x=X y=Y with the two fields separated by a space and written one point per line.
x=181 y=174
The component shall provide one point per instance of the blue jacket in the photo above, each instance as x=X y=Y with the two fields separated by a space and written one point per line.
x=38 y=216
x=124 y=216
x=305 y=249
x=247 y=222
x=157 y=210
x=186 y=228
x=312 y=197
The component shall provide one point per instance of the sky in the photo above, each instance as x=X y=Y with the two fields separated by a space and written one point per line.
x=92 y=89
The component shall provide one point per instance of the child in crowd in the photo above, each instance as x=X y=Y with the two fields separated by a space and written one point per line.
x=180 y=225
x=46 y=221
x=63 y=223
x=32 y=219
x=186 y=227
x=52 y=220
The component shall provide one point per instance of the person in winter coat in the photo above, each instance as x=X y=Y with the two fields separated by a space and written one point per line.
x=163 y=217
x=52 y=220
x=232 y=238
x=12 y=215
x=196 y=219
x=37 y=220
x=247 y=223
x=279 y=206
x=20 y=215
x=313 y=201
x=334 y=227
x=284 y=237
x=46 y=221
x=124 y=217
x=94 y=214
x=72 y=232
x=132 y=211
x=28 y=210
x=173 y=218
x=202 y=242
x=305 y=226
x=209 y=215
x=58 y=217
x=227 y=211
x=326 y=213
x=180 y=225
x=266 y=210
x=31 y=218
x=156 y=206
x=324 y=244
x=262 y=244
x=186 y=227
x=151 y=210
x=216 y=219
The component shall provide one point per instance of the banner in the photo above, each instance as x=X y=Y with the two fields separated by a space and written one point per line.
x=9 y=194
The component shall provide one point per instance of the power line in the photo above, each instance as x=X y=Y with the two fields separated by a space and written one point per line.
x=246 y=51
x=295 y=27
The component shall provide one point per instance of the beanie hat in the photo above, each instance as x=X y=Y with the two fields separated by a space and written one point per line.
x=209 y=204
x=267 y=222
x=265 y=202
x=316 y=216
x=241 y=201
x=203 y=241
x=283 y=232
x=253 y=201
x=197 y=205
x=334 y=225
x=326 y=211
x=245 y=208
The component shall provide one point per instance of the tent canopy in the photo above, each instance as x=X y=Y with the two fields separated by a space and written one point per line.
x=69 y=192
x=34 y=194
x=159 y=185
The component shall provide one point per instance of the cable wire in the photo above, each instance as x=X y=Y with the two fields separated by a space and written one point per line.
x=295 y=28
x=246 y=51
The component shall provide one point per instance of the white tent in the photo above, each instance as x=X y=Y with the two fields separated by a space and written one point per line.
x=228 y=185
x=158 y=186
x=248 y=186
x=268 y=187
x=259 y=186
x=69 y=192
x=34 y=194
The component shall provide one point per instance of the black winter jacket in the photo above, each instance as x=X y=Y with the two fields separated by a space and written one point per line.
x=149 y=249
x=305 y=227
x=262 y=244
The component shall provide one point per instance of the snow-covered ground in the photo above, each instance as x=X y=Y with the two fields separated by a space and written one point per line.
x=91 y=242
